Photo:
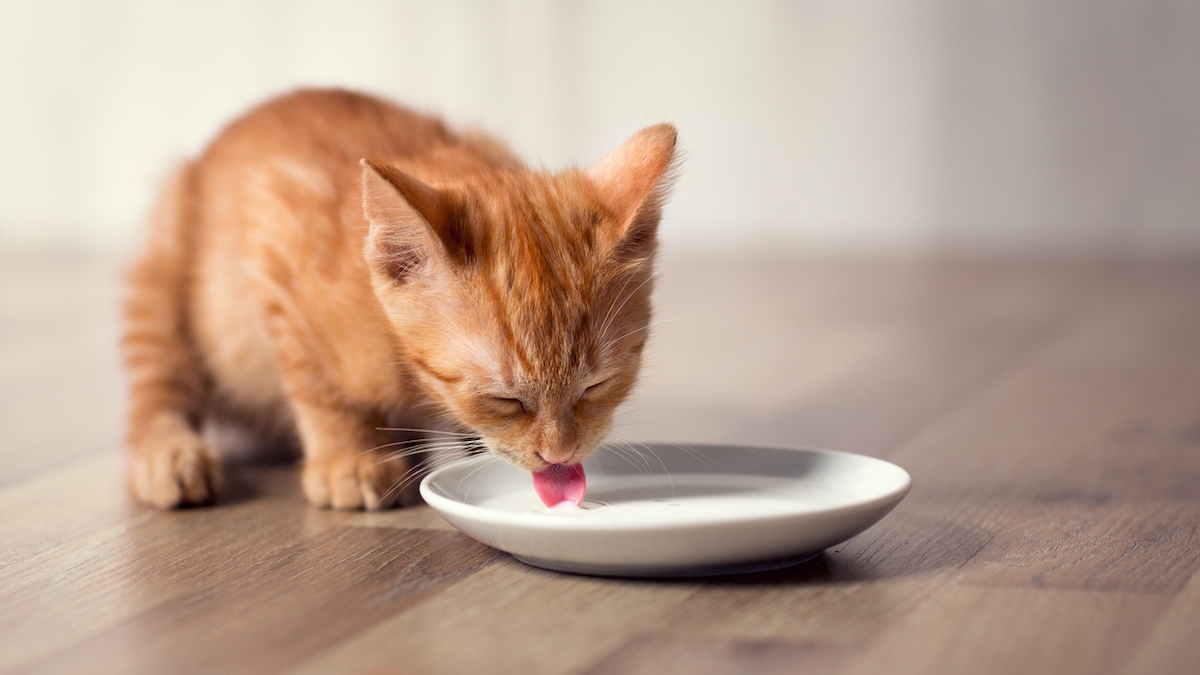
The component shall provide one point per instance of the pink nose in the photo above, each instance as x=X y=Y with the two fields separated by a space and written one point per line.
x=556 y=458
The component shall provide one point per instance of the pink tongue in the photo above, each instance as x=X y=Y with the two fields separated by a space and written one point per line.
x=560 y=483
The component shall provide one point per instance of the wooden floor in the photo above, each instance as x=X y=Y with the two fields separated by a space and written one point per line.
x=1048 y=413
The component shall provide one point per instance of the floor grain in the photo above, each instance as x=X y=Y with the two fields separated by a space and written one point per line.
x=1048 y=412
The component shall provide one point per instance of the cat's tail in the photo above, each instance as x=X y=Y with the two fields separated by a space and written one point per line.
x=169 y=463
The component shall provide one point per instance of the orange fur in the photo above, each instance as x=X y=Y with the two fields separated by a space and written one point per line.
x=333 y=264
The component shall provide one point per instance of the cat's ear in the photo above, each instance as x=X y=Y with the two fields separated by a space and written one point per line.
x=412 y=223
x=633 y=182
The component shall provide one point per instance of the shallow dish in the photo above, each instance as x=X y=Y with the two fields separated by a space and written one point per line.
x=673 y=510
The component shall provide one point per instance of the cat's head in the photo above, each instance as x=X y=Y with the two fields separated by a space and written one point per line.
x=521 y=299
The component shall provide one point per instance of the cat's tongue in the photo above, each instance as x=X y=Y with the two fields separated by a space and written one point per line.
x=560 y=483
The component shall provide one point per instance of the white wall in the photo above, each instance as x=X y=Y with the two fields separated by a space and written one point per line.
x=859 y=125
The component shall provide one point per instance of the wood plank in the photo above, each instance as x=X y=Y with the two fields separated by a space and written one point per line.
x=658 y=655
x=848 y=594
x=508 y=618
x=1050 y=416
x=1107 y=408
x=839 y=599
x=64 y=580
x=1148 y=547
x=1174 y=645
x=1011 y=630
x=334 y=584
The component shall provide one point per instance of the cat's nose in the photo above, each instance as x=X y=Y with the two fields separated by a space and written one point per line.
x=561 y=457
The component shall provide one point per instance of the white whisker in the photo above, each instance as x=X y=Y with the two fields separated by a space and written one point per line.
x=440 y=432
x=612 y=314
x=491 y=459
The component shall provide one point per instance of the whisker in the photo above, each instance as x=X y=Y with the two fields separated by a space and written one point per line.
x=421 y=442
x=441 y=432
x=414 y=473
x=648 y=326
x=693 y=453
x=666 y=471
x=440 y=452
x=492 y=459
x=608 y=316
x=612 y=314
x=413 y=452
x=633 y=457
x=646 y=468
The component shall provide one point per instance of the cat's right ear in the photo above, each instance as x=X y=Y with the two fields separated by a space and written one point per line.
x=412 y=223
x=633 y=181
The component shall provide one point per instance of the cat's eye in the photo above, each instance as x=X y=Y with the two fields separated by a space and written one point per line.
x=594 y=388
x=509 y=404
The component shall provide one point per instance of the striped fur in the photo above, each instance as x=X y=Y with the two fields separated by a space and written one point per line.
x=333 y=264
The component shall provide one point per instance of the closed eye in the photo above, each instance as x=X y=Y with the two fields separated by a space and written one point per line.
x=594 y=388
x=508 y=404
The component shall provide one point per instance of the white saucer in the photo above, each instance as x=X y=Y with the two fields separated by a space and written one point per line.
x=674 y=510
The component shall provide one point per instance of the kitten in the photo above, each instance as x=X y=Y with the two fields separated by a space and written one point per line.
x=333 y=264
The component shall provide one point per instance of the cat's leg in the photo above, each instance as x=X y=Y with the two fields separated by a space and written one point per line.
x=169 y=464
x=345 y=465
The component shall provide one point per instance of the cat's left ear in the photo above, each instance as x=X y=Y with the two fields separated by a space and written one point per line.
x=633 y=182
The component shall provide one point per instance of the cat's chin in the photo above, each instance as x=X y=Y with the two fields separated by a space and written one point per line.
x=560 y=483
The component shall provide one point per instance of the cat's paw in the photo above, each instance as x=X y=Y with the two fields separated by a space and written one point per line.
x=175 y=470
x=370 y=480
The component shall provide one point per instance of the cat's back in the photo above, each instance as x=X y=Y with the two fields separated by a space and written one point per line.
x=278 y=222
x=334 y=126
x=296 y=158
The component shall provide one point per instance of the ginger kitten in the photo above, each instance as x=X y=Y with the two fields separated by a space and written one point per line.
x=334 y=264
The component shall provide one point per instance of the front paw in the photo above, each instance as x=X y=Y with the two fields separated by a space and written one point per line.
x=175 y=469
x=369 y=480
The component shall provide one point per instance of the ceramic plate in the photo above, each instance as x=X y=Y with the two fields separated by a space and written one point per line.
x=673 y=510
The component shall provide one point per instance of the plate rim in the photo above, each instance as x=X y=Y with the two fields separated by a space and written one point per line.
x=538 y=521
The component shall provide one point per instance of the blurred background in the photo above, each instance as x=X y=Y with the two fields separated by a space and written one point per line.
x=1064 y=127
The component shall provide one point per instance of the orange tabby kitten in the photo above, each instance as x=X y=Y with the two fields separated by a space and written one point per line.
x=334 y=264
